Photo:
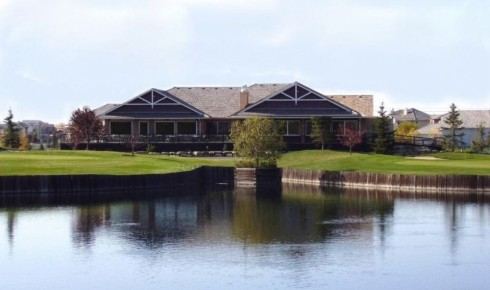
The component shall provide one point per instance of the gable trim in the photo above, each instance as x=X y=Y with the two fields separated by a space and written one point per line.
x=296 y=98
x=165 y=95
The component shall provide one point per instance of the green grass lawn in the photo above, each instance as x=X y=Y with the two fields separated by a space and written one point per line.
x=449 y=163
x=92 y=162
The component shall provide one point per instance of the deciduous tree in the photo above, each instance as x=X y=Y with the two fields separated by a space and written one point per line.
x=84 y=126
x=454 y=136
x=257 y=139
x=405 y=131
x=349 y=137
x=25 y=144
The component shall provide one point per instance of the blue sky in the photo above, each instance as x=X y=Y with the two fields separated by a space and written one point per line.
x=58 y=55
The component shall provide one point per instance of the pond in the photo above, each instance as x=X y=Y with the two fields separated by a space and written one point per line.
x=301 y=237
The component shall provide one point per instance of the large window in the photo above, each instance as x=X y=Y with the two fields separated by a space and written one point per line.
x=290 y=128
x=164 y=128
x=121 y=128
x=218 y=128
x=353 y=124
x=187 y=128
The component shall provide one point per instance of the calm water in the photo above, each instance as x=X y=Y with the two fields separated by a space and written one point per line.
x=304 y=238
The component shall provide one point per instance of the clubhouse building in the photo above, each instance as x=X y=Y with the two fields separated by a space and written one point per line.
x=203 y=115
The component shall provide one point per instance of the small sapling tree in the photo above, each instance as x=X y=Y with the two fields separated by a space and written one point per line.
x=453 y=138
x=383 y=144
x=320 y=131
x=350 y=137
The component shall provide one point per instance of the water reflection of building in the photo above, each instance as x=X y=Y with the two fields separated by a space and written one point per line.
x=305 y=214
x=299 y=215
x=151 y=222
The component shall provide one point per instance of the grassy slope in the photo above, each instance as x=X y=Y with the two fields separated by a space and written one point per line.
x=454 y=163
x=91 y=162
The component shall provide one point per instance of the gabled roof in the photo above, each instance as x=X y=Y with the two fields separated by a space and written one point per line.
x=470 y=118
x=410 y=115
x=152 y=104
x=224 y=102
x=221 y=102
x=297 y=100
x=104 y=109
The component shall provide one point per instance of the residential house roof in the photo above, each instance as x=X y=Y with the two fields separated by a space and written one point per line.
x=220 y=102
x=470 y=118
x=359 y=103
x=224 y=102
x=409 y=115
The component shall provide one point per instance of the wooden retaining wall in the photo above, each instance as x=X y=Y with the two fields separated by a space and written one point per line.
x=111 y=183
x=400 y=182
x=257 y=177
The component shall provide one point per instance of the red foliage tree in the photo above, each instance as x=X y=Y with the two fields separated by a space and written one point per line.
x=349 y=137
x=84 y=126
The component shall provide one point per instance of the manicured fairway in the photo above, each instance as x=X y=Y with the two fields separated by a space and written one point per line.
x=447 y=163
x=92 y=162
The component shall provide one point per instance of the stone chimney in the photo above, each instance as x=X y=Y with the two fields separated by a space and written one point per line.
x=243 y=97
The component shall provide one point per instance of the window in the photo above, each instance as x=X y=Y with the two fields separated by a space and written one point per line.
x=223 y=128
x=143 y=128
x=164 y=128
x=218 y=128
x=352 y=125
x=121 y=128
x=188 y=128
x=290 y=128
x=345 y=124
x=308 y=127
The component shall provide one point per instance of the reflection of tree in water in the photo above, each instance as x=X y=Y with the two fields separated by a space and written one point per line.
x=158 y=222
x=306 y=214
x=87 y=220
x=11 y=219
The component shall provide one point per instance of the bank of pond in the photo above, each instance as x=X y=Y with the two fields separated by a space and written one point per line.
x=226 y=176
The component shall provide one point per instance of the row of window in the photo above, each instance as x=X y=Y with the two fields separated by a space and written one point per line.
x=289 y=128
x=161 y=128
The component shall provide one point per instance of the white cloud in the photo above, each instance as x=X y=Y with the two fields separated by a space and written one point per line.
x=82 y=25
x=28 y=75
x=283 y=75
x=234 y=4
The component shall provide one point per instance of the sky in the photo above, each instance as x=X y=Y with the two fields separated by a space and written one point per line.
x=60 y=55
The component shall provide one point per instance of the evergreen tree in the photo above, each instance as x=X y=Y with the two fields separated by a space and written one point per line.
x=479 y=142
x=454 y=136
x=11 y=133
x=320 y=131
x=383 y=144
